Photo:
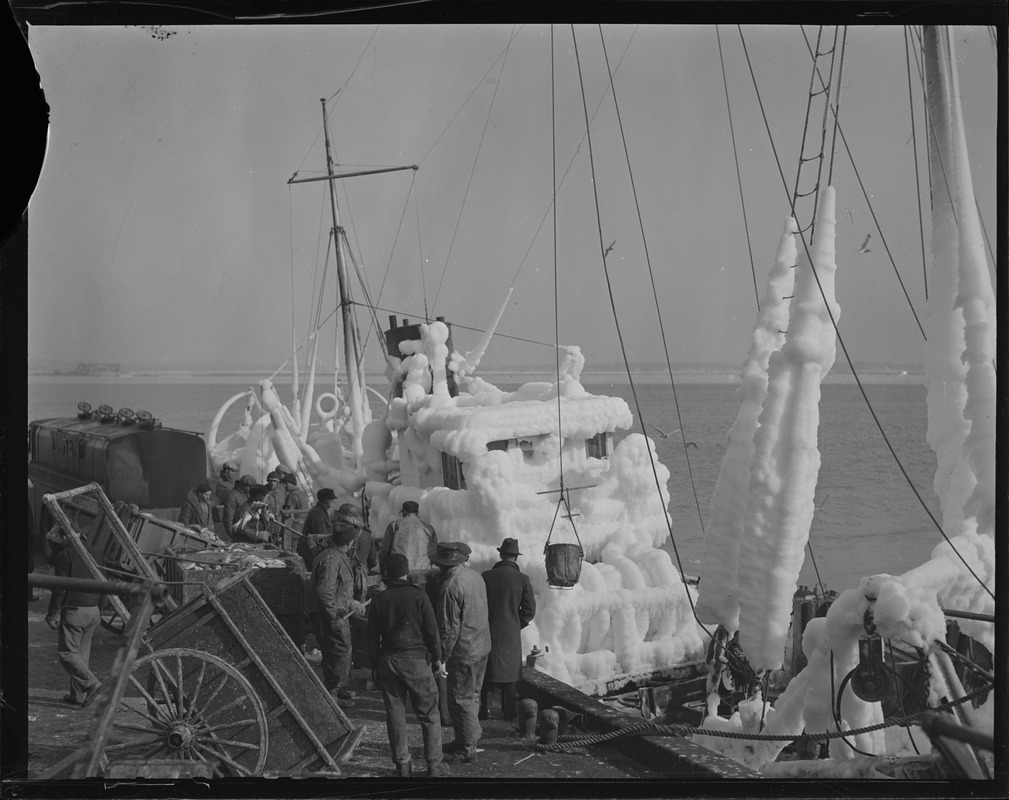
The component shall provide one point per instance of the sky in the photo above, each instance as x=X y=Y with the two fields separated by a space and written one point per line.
x=163 y=233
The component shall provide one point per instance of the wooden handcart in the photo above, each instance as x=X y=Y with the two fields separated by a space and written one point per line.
x=218 y=681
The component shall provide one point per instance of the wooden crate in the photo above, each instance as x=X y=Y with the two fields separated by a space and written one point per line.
x=308 y=730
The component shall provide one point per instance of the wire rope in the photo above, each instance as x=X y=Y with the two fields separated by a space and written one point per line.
x=739 y=177
x=851 y=365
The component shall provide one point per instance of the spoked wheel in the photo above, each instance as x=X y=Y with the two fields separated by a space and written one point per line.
x=185 y=704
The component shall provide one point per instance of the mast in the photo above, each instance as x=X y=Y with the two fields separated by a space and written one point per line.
x=359 y=412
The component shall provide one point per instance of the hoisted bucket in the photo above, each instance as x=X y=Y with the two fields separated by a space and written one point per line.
x=564 y=565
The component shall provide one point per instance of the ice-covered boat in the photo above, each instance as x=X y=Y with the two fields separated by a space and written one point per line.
x=485 y=463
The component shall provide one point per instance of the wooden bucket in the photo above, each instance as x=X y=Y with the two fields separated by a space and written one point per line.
x=563 y=564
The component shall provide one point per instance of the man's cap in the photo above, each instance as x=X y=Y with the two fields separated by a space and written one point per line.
x=411 y=507
x=450 y=554
x=229 y=466
x=273 y=476
x=325 y=494
x=509 y=547
x=247 y=480
x=290 y=479
x=349 y=514
x=281 y=470
x=203 y=487
x=344 y=534
x=397 y=565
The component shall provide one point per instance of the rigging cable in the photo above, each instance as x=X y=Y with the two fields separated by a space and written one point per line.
x=851 y=365
x=739 y=177
x=623 y=348
x=571 y=162
x=658 y=310
x=865 y=194
x=917 y=180
x=476 y=158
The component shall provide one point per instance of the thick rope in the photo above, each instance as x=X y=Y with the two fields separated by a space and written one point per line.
x=681 y=729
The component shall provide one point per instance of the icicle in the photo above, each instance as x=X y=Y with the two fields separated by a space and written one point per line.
x=718 y=591
x=786 y=460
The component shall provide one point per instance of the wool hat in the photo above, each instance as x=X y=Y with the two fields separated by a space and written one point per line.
x=410 y=507
x=343 y=534
x=258 y=492
x=450 y=554
x=397 y=565
x=509 y=547
x=325 y=494
x=273 y=476
x=204 y=487
x=247 y=481
x=349 y=514
x=290 y=479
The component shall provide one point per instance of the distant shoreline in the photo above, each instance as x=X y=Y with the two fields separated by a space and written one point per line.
x=502 y=376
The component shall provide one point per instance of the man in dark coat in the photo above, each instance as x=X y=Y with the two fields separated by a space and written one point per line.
x=318 y=527
x=237 y=497
x=403 y=644
x=511 y=606
x=196 y=510
x=75 y=614
x=329 y=602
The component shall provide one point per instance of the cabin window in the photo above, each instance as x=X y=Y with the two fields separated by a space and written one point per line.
x=500 y=444
x=451 y=468
x=598 y=446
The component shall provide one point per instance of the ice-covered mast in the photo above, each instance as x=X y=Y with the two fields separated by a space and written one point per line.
x=360 y=411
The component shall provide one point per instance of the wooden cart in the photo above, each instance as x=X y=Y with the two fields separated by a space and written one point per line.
x=220 y=682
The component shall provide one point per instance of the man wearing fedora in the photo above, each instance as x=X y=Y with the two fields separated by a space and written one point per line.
x=511 y=606
x=465 y=645
x=403 y=646
x=329 y=603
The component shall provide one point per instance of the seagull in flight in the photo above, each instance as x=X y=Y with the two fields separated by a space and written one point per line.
x=662 y=433
x=864 y=247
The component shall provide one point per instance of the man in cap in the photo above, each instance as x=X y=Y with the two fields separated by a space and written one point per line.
x=465 y=645
x=364 y=549
x=511 y=606
x=403 y=643
x=318 y=527
x=411 y=536
x=295 y=501
x=195 y=512
x=276 y=493
x=237 y=497
x=329 y=603
x=225 y=481
x=75 y=614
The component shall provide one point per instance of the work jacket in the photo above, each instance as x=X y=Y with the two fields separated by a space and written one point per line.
x=229 y=516
x=401 y=623
x=331 y=585
x=412 y=537
x=222 y=488
x=195 y=512
x=462 y=615
x=69 y=564
x=511 y=606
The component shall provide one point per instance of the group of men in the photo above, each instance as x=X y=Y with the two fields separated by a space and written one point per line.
x=442 y=635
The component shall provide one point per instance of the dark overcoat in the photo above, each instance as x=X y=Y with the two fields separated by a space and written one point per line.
x=511 y=606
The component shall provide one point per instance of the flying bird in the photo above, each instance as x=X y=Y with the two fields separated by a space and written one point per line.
x=662 y=433
x=864 y=247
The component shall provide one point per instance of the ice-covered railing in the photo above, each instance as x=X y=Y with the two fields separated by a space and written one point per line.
x=629 y=615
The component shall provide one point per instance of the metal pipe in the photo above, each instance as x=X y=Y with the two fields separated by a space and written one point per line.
x=61 y=584
x=949 y=612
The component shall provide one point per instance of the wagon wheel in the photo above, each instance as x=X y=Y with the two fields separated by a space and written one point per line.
x=186 y=704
